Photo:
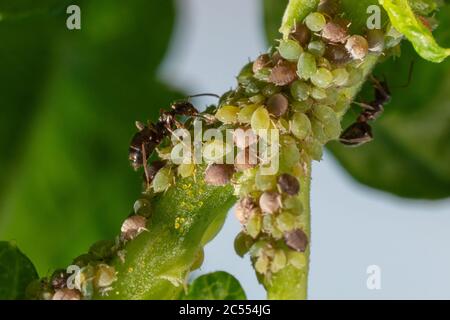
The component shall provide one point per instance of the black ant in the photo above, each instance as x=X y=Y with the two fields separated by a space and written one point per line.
x=360 y=132
x=150 y=136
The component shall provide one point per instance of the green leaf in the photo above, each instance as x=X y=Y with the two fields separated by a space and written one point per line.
x=218 y=285
x=405 y=21
x=16 y=272
x=74 y=100
x=410 y=154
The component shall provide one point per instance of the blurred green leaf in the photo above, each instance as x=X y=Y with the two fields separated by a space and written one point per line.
x=410 y=155
x=67 y=181
x=273 y=13
x=19 y=9
x=218 y=285
x=405 y=21
x=16 y=272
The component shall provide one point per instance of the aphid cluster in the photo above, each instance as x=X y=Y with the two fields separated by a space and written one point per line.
x=93 y=273
x=301 y=88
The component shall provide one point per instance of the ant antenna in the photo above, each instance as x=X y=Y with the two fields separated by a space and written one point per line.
x=410 y=73
x=205 y=95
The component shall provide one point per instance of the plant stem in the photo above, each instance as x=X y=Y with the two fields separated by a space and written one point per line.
x=296 y=10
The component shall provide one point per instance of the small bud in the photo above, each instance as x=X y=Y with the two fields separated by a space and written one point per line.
x=277 y=104
x=288 y=184
x=67 y=294
x=270 y=202
x=296 y=240
x=219 y=174
x=133 y=226
x=283 y=73
x=357 y=46
x=261 y=62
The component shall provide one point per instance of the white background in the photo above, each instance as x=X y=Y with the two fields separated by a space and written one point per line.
x=352 y=226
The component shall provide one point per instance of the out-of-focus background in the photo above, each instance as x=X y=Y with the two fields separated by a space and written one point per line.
x=68 y=104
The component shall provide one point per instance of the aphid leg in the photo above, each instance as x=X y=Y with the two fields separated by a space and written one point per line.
x=144 y=163
x=381 y=88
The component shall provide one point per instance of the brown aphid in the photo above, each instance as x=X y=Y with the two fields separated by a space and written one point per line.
x=219 y=174
x=329 y=7
x=288 y=184
x=59 y=279
x=337 y=54
x=67 y=294
x=296 y=240
x=133 y=226
x=357 y=46
x=301 y=33
x=244 y=137
x=283 y=73
x=263 y=61
x=334 y=32
x=277 y=104
x=246 y=159
x=245 y=208
x=270 y=202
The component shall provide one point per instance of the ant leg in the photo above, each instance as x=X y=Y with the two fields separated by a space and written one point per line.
x=410 y=73
x=363 y=105
x=144 y=163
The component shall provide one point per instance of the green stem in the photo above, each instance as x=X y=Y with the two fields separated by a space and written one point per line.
x=296 y=11
x=185 y=218
x=291 y=283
